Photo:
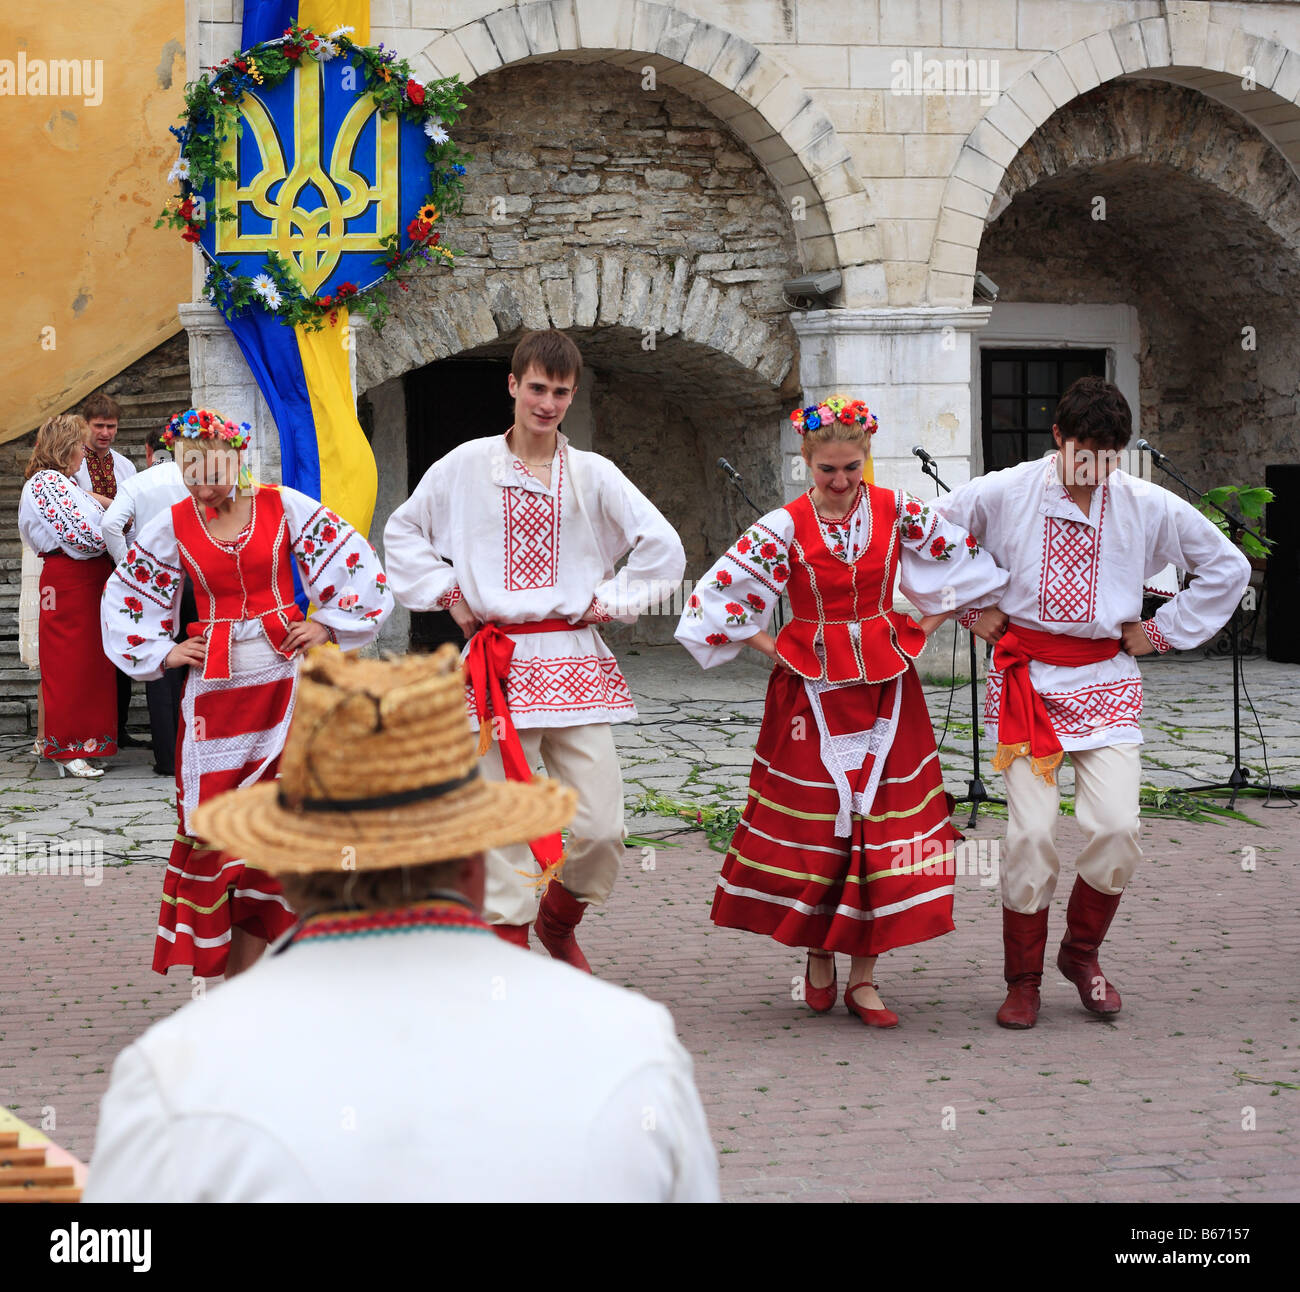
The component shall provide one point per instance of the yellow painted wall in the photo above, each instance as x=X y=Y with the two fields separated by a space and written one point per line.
x=82 y=186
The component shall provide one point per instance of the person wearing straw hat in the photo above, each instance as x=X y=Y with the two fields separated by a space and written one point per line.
x=518 y=536
x=389 y=1047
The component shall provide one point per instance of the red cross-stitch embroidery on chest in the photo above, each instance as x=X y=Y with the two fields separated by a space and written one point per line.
x=827 y=594
x=532 y=534
x=1071 y=559
x=249 y=578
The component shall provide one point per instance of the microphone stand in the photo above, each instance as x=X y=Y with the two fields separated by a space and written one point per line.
x=1240 y=777
x=734 y=476
x=976 y=793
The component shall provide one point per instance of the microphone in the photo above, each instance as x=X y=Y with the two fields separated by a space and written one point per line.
x=1155 y=453
x=923 y=455
x=730 y=470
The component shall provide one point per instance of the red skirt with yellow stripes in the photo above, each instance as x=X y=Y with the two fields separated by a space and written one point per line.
x=231 y=734
x=891 y=882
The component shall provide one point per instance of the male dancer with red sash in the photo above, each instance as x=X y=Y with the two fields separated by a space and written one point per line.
x=518 y=536
x=1080 y=538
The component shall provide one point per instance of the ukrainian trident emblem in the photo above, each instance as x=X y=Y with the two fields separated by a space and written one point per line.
x=312 y=169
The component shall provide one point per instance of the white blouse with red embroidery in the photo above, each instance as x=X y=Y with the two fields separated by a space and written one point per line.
x=338 y=568
x=480 y=527
x=1084 y=576
x=737 y=596
x=54 y=514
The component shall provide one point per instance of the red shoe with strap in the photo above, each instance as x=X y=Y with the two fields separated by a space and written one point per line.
x=557 y=917
x=819 y=998
x=1024 y=939
x=1087 y=920
x=871 y=1017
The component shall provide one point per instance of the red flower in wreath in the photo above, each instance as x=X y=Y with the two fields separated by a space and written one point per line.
x=724 y=579
x=717 y=639
x=780 y=573
x=756 y=601
x=415 y=92
x=133 y=640
x=191 y=233
x=186 y=209
x=293 y=52
x=938 y=547
x=418 y=230
x=133 y=604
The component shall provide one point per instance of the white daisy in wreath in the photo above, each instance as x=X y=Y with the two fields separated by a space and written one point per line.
x=436 y=130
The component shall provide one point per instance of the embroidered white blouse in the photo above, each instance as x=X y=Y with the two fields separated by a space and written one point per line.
x=737 y=596
x=139 y=499
x=1084 y=576
x=482 y=527
x=55 y=515
x=339 y=570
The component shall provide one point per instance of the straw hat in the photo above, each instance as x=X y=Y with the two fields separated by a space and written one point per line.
x=379 y=770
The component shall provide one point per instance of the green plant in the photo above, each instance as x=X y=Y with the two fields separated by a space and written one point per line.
x=1249 y=504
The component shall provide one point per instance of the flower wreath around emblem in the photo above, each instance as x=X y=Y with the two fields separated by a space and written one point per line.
x=212 y=110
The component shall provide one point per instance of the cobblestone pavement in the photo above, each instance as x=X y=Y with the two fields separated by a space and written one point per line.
x=1190 y=1094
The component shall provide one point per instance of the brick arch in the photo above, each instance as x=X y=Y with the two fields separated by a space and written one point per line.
x=448 y=315
x=753 y=93
x=1186 y=49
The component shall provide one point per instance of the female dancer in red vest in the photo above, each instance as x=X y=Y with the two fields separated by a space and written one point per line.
x=845 y=843
x=238 y=543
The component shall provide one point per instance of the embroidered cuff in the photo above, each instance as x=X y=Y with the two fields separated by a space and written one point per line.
x=596 y=613
x=968 y=617
x=333 y=636
x=1155 y=636
x=450 y=597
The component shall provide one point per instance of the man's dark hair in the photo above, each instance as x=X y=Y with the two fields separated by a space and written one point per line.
x=154 y=439
x=1093 y=411
x=551 y=351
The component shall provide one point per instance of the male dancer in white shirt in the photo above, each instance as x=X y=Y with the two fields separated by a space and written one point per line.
x=518 y=536
x=1080 y=537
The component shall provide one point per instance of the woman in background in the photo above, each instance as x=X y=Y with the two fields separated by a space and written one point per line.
x=61 y=524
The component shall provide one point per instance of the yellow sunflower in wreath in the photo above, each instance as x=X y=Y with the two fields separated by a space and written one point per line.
x=428 y=213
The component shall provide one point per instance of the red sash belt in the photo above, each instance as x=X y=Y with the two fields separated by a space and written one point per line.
x=1024 y=729
x=487 y=664
x=216 y=664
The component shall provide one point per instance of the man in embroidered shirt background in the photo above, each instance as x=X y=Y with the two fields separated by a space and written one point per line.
x=1080 y=537
x=518 y=536
x=140 y=497
x=101 y=471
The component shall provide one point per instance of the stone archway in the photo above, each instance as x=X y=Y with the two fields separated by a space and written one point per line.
x=761 y=101
x=1185 y=48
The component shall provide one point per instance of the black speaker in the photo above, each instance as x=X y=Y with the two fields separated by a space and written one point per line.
x=1282 y=576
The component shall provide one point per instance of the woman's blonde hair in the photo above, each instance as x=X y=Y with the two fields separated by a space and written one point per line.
x=836 y=433
x=56 y=444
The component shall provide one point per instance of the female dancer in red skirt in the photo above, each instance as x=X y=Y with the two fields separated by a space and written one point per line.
x=845 y=843
x=238 y=544
x=60 y=522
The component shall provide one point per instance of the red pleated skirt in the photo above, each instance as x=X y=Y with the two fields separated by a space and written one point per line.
x=890 y=883
x=207 y=892
x=78 y=684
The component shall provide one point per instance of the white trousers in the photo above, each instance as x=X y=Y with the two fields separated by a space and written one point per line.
x=584 y=758
x=1106 y=783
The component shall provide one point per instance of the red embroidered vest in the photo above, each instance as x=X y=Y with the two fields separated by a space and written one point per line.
x=250 y=578
x=827 y=594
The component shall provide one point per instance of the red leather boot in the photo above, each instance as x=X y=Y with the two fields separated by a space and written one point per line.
x=1024 y=938
x=516 y=933
x=1087 y=919
x=557 y=917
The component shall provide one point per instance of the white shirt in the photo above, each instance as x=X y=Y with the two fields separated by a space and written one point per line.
x=55 y=515
x=435 y=1065
x=123 y=469
x=481 y=526
x=140 y=498
x=1084 y=576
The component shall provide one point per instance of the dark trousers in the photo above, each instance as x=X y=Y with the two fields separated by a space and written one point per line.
x=164 y=697
x=123 y=700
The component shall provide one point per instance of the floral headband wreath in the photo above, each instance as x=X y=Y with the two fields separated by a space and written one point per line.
x=204 y=424
x=833 y=409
